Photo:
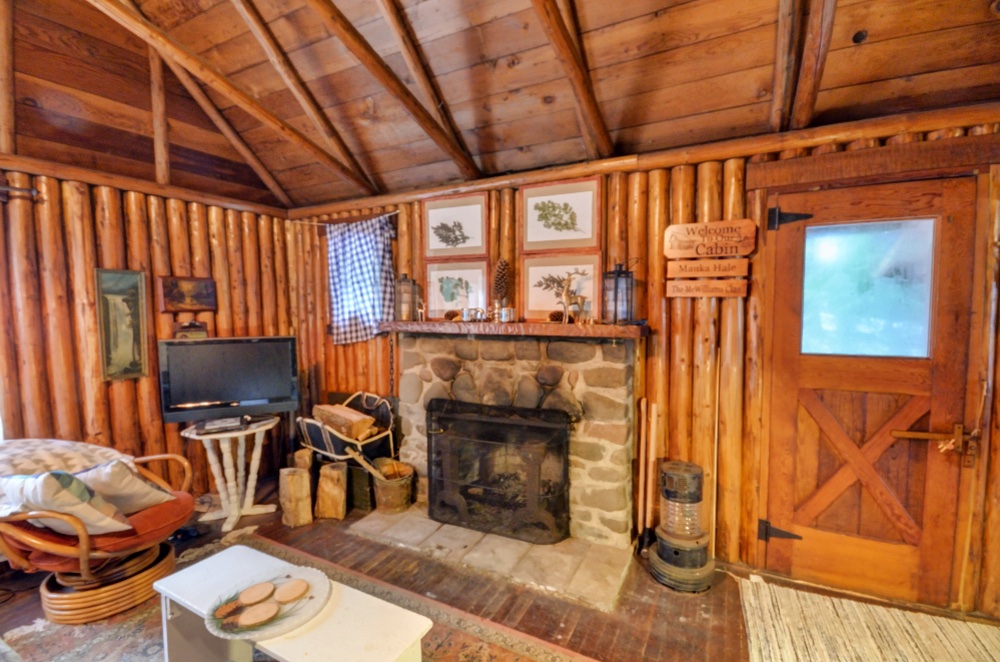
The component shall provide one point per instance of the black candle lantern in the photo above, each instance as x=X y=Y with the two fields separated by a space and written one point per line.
x=618 y=295
x=407 y=299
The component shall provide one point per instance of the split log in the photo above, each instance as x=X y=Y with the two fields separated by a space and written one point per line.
x=201 y=256
x=111 y=254
x=251 y=272
x=331 y=493
x=295 y=497
x=61 y=364
x=26 y=306
x=681 y=327
x=302 y=459
x=220 y=271
x=237 y=281
x=180 y=246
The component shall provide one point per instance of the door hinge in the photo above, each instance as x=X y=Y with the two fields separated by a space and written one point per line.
x=777 y=218
x=765 y=532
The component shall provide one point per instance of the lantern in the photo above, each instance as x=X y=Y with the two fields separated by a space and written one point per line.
x=618 y=285
x=407 y=299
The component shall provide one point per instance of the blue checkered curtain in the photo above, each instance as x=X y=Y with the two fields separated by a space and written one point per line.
x=362 y=285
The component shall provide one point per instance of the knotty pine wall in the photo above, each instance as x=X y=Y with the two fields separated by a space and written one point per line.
x=703 y=372
x=267 y=272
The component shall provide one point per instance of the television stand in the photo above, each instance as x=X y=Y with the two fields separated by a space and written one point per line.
x=236 y=488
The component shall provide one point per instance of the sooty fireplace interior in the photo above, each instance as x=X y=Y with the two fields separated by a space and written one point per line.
x=501 y=470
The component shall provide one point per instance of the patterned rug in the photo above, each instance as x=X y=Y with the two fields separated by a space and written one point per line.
x=136 y=634
x=786 y=625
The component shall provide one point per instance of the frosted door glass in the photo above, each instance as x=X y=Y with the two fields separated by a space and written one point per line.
x=867 y=288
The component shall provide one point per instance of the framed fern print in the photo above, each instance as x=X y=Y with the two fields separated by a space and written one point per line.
x=561 y=217
x=455 y=226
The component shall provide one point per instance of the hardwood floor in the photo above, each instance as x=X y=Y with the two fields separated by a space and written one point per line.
x=649 y=622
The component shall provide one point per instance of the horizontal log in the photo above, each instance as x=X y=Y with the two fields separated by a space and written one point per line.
x=845 y=132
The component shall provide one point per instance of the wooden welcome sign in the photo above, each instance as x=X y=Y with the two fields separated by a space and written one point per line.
x=715 y=277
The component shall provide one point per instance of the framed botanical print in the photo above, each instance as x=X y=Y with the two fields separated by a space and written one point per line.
x=454 y=286
x=562 y=216
x=455 y=226
x=561 y=283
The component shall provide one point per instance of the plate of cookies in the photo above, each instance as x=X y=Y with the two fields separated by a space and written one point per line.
x=265 y=607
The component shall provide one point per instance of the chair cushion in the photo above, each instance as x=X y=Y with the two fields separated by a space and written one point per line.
x=123 y=487
x=65 y=493
x=149 y=527
x=33 y=456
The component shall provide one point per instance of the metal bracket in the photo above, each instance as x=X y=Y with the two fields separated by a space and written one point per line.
x=776 y=218
x=765 y=532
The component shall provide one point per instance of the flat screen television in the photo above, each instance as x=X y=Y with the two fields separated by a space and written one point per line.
x=227 y=377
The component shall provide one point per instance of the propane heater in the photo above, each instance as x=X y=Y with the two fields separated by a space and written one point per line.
x=680 y=559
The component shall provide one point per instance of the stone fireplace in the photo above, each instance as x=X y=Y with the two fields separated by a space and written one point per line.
x=588 y=378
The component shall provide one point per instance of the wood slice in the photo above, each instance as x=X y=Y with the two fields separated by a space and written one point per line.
x=331 y=493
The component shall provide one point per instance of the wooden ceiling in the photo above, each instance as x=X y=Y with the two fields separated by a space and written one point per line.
x=323 y=100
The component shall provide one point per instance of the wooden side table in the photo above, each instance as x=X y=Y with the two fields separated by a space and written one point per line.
x=236 y=489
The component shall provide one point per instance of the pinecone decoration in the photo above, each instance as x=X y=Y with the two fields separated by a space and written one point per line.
x=557 y=316
x=501 y=281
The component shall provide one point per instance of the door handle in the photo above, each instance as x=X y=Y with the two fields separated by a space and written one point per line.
x=964 y=443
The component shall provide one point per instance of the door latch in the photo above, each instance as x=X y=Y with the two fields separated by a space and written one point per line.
x=959 y=441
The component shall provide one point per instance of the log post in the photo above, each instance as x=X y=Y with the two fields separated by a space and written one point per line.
x=8 y=127
x=251 y=272
x=706 y=358
x=10 y=401
x=61 y=364
x=404 y=242
x=508 y=242
x=220 y=271
x=280 y=276
x=147 y=389
x=26 y=308
x=295 y=497
x=81 y=251
x=111 y=254
x=493 y=229
x=731 y=350
x=180 y=246
x=331 y=493
x=237 y=282
x=681 y=328
x=657 y=347
x=417 y=262
x=617 y=236
x=201 y=256
x=268 y=298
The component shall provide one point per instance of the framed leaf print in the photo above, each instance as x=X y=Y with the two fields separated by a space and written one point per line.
x=455 y=226
x=563 y=216
x=544 y=281
x=454 y=286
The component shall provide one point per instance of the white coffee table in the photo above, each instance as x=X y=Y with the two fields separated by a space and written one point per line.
x=352 y=626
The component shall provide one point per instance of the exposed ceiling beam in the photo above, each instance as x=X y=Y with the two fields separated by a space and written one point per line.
x=786 y=62
x=819 y=29
x=223 y=125
x=161 y=128
x=338 y=24
x=579 y=79
x=568 y=12
x=8 y=133
x=139 y=26
x=403 y=33
x=280 y=61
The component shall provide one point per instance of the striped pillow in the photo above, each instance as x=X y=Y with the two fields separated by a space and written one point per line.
x=65 y=493
x=32 y=456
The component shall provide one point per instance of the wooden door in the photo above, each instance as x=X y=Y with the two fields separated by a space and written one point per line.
x=875 y=513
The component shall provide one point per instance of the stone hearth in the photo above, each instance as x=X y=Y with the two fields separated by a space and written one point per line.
x=590 y=379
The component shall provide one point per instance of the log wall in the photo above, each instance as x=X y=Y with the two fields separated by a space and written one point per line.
x=50 y=361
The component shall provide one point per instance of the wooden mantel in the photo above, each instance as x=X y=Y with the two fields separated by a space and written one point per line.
x=545 y=329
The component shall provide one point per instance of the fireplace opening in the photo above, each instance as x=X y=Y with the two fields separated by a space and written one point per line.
x=501 y=470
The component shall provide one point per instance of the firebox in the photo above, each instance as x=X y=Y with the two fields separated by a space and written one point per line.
x=501 y=470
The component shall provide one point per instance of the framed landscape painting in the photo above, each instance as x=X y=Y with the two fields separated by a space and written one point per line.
x=544 y=280
x=454 y=286
x=564 y=216
x=121 y=317
x=455 y=226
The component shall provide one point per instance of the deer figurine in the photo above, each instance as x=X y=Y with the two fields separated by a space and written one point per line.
x=569 y=299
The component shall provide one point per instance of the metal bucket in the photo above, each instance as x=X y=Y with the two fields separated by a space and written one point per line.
x=392 y=494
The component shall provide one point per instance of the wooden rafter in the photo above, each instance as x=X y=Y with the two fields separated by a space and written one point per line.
x=403 y=33
x=786 y=62
x=283 y=65
x=819 y=30
x=223 y=125
x=338 y=24
x=161 y=132
x=139 y=26
x=572 y=64
x=8 y=135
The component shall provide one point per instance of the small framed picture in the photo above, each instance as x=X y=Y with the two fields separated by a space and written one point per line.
x=545 y=281
x=455 y=286
x=455 y=226
x=121 y=317
x=184 y=295
x=565 y=216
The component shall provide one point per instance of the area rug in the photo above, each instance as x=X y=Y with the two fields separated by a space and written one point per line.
x=787 y=625
x=136 y=635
